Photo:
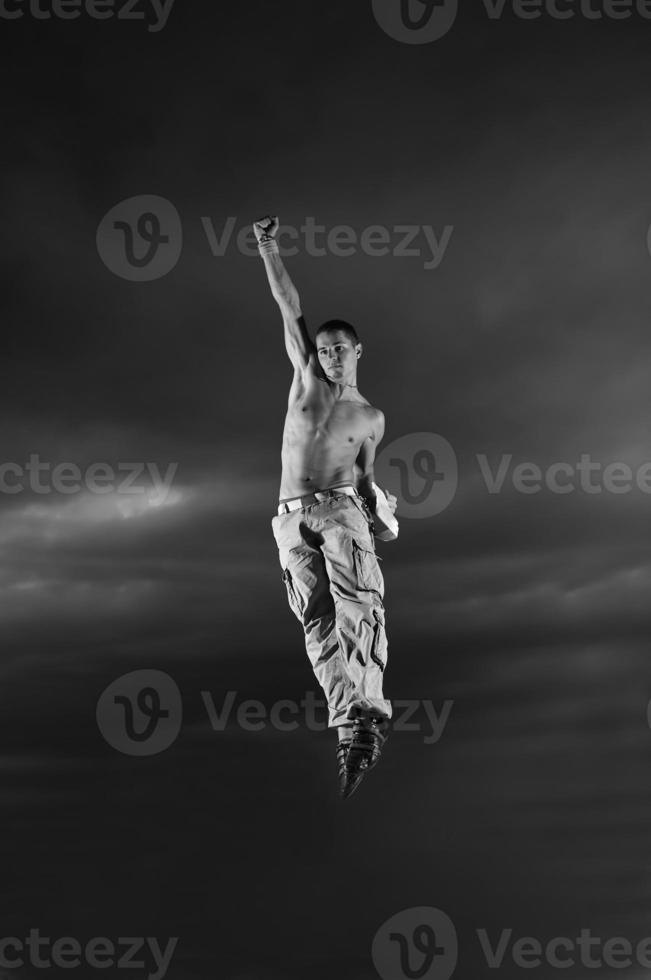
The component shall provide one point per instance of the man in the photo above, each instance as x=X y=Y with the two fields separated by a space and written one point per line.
x=324 y=524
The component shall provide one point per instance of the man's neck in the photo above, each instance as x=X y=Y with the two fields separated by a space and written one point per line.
x=343 y=391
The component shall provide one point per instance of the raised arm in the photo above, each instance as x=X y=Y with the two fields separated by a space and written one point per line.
x=297 y=340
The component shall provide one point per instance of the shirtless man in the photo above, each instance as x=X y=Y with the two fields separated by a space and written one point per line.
x=324 y=525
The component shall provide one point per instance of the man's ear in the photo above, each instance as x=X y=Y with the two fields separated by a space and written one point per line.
x=359 y=350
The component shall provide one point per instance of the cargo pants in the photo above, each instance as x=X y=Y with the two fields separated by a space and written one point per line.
x=335 y=589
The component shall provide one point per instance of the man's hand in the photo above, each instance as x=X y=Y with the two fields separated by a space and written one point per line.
x=392 y=501
x=365 y=488
x=265 y=226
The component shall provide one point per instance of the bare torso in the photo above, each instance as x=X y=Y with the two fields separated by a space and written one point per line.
x=322 y=435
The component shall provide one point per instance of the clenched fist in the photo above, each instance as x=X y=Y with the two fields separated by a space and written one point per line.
x=265 y=226
x=392 y=501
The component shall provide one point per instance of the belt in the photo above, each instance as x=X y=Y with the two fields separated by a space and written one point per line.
x=310 y=498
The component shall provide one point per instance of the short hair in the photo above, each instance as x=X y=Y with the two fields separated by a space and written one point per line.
x=346 y=328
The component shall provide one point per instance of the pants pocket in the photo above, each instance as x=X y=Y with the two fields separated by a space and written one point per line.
x=293 y=596
x=379 y=647
x=369 y=576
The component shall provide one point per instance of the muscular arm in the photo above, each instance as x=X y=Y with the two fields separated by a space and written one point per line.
x=364 y=464
x=298 y=343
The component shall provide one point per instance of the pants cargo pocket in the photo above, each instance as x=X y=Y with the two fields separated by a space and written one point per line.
x=367 y=568
x=293 y=596
x=379 y=647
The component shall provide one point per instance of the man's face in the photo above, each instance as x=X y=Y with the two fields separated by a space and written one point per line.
x=337 y=354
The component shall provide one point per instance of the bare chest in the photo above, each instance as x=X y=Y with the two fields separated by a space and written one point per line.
x=316 y=414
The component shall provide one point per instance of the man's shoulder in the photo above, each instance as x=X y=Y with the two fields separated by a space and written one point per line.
x=376 y=412
x=366 y=403
x=371 y=410
x=376 y=416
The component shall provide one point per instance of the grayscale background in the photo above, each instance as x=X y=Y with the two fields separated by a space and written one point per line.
x=529 y=340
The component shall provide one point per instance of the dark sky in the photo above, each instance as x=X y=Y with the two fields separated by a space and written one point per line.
x=531 y=140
